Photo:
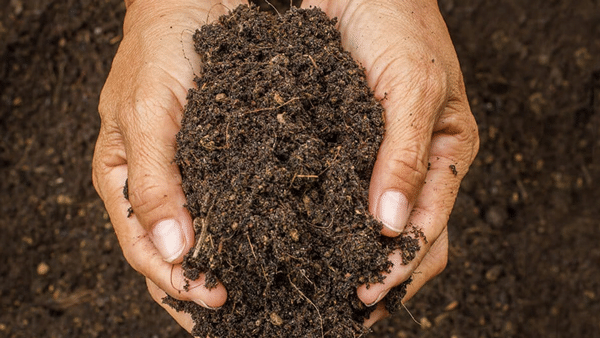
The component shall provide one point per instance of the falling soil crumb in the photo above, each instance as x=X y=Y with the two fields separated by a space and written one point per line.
x=453 y=169
x=276 y=150
x=126 y=195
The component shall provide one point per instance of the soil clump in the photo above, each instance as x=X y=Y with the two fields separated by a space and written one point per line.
x=276 y=150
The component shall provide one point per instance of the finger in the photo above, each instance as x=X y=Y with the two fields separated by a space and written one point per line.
x=183 y=319
x=378 y=314
x=401 y=166
x=433 y=262
x=154 y=181
x=427 y=270
x=432 y=265
x=453 y=148
x=141 y=253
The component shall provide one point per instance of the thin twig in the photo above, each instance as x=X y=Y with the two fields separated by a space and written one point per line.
x=203 y=231
x=262 y=267
x=313 y=304
x=411 y=316
x=313 y=61
x=273 y=108
x=275 y=8
x=251 y=247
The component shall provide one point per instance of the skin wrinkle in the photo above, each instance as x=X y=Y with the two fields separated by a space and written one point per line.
x=135 y=128
x=405 y=271
x=463 y=137
x=180 y=94
x=414 y=178
x=151 y=157
x=133 y=246
x=373 y=66
x=452 y=121
x=440 y=264
x=434 y=209
x=341 y=24
x=461 y=159
x=106 y=161
x=176 y=8
x=145 y=195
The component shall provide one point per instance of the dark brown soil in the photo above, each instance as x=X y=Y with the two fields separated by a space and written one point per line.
x=276 y=149
x=524 y=257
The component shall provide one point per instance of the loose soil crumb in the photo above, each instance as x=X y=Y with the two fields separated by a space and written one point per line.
x=276 y=150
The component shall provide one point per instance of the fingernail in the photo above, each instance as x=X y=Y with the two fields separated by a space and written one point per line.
x=379 y=298
x=393 y=210
x=168 y=238
x=203 y=304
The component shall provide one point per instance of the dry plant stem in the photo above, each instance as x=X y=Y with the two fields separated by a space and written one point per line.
x=311 y=302
x=410 y=314
x=198 y=222
x=273 y=108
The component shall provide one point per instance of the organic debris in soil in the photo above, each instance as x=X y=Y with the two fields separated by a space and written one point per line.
x=276 y=150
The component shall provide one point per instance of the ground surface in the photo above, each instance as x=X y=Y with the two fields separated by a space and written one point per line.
x=524 y=259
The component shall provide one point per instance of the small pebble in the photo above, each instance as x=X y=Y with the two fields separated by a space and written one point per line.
x=492 y=274
x=42 y=269
x=280 y=118
x=275 y=319
x=220 y=97
x=453 y=305
x=425 y=323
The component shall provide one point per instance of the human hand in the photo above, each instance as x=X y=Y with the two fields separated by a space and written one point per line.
x=141 y=108
x=431 y=136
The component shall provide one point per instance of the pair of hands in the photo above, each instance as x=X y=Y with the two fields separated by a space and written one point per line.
x=409 y=59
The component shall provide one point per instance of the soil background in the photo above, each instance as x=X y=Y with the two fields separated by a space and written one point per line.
x=524 y=259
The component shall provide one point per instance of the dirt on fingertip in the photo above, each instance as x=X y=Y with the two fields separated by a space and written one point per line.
x=276 y=150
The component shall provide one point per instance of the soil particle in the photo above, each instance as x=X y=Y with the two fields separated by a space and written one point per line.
x=276 y=149
x=453 y=169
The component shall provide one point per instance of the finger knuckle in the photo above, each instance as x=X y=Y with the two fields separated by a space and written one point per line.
x=96 y=178
x=132 y=247
x=146 y=195
x=414 y=78
x=99 y=167
x=474 y=137
x=469 y=134
x=436 y=266
x=410 y=168
x=441 y=264
x=427 y=80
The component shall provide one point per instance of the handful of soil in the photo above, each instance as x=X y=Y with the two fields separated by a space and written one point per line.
x=276 y=150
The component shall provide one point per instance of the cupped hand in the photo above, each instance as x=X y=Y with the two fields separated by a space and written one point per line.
x=141 y=106
x=431 y=137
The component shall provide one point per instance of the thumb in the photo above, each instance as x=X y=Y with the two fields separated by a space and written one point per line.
x=412 y=107
x=154 y=181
